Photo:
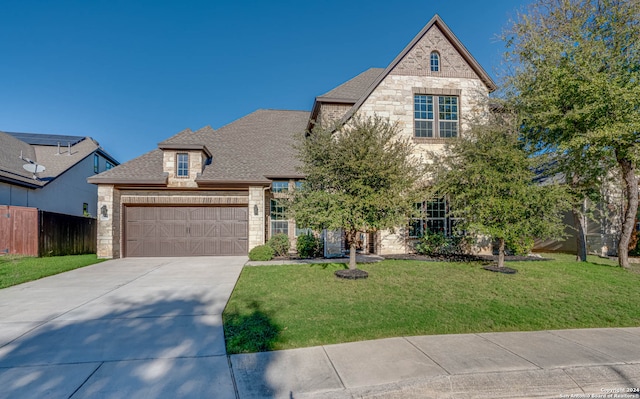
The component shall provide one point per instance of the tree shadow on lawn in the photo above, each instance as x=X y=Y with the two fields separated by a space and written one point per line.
x=249 y=333
x=332 y=266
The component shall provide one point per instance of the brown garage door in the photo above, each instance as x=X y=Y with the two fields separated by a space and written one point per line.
x=185 y=231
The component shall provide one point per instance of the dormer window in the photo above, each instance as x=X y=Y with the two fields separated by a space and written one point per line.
x=182 y=169
x=435 y=61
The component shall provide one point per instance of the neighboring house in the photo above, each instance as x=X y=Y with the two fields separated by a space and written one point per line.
x=62 y=186
x=217 y=192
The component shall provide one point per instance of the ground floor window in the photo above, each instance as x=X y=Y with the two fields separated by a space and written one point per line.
x=300 y=231
x=279 y=222
x=432 y=216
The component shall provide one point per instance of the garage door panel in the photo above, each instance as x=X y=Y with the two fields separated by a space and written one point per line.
x=185 y=231
x=241 y=214
x=148 y=229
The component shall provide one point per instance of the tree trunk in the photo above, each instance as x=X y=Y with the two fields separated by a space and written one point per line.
x=352 y=256
x=630 y=209
x=501 y=253
x=581 y=237
x=579 y=222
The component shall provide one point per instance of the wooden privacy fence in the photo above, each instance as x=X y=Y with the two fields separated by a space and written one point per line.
x=29 y=231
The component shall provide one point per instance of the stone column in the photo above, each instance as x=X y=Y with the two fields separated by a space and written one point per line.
x=108 y=221
x=256 y=222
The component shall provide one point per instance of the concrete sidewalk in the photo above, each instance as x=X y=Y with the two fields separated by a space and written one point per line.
x=588 y=363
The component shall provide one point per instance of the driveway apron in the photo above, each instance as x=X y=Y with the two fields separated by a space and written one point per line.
x=135 y=327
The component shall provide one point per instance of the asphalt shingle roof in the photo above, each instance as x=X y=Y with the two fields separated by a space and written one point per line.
x=10 y=162
x=43 y=151
x=352 y=89
x=250 y=149
x=47 y=139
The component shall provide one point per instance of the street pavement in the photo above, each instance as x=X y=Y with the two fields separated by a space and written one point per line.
x=152 y=328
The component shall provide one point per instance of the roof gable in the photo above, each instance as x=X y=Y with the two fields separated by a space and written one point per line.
x=437 y=36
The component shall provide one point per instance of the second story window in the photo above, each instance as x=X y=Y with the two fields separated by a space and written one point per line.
x=435 y=62
x=279 y=186
x=109 y=165
x=96 y=163
x=435 y=116
x=182 y=169
x=423 y=115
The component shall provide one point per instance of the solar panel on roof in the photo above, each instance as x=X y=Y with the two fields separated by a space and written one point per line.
x=46 y=139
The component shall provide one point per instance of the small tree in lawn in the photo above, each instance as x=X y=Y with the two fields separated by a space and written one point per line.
x=359 y=178
x=490 y=183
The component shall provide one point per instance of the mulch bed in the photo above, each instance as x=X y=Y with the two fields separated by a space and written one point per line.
x=464 y=258
x=351 y=274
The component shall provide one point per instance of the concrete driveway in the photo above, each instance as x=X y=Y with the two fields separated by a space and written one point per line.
x=126 y=328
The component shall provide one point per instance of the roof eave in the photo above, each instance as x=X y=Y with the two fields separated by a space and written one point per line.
x=19 y=182
x=126 y=182
x=200 y=147
x=210 y=183
x=285 y=176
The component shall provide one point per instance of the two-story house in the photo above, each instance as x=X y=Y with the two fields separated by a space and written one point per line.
x=49 y=172
x=217 y=192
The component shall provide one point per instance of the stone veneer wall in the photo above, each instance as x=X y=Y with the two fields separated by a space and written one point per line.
x=393 y=99
x=109 y=226
x=256 y=222
x=197 y=160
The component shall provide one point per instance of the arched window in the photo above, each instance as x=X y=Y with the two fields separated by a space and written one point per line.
x=435 y=62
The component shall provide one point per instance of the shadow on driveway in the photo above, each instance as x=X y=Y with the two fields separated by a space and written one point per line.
x=169 y=348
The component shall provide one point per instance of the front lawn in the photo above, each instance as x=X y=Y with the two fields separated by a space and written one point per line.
x=282 y=307
x=20 y=269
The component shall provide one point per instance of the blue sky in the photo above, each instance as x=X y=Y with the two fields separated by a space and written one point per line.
x=132 y=73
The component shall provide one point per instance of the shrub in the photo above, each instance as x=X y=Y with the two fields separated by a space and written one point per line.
x=280 y=244
x=438 y=244
x=309 y=246
x=261 y=252
x=522 y=247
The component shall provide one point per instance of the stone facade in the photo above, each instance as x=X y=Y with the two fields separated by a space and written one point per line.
x=417 y=61
x=393 y=98
x=197 y=160
x=389 y=94
x=257 y=216
x=109 y=223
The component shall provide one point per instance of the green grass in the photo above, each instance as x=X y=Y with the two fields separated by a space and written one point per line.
x=20 y=269
x=282 y=307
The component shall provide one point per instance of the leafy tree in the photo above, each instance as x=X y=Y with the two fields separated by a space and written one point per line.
x=575 y=74
x=489 y=180
x=359 y=178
